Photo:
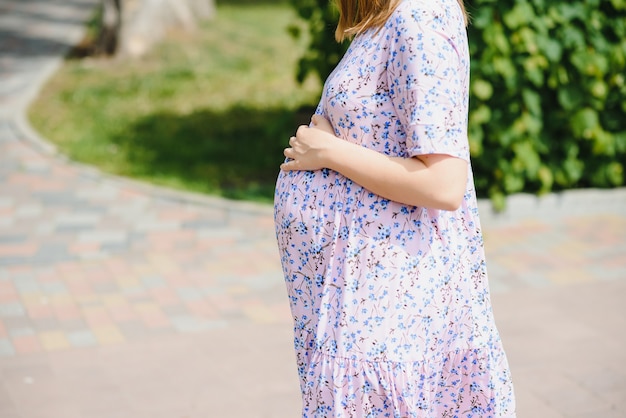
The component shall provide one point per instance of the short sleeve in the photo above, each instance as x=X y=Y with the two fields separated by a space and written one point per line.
x=428 y=75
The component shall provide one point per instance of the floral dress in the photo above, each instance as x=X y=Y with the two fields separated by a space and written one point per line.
x=390 y=302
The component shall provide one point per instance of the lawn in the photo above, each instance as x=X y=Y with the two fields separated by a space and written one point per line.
x=209 y=112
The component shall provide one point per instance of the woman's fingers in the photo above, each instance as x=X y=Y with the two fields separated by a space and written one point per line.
x=320 y=122
x=290 y=164
x=290 y=154
x=316 y=119
x=300 y=154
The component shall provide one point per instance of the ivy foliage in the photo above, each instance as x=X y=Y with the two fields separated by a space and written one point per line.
x=548 y=91
x=548 y=95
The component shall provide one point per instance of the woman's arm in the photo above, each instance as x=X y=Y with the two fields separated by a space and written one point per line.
x=436 y=180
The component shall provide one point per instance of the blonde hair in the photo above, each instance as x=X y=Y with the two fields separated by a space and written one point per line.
x=357 y=16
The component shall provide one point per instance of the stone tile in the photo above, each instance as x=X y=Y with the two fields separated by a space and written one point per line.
x=606 y=412
x=54 y=340
x=52 y=287
x=78 y=219
x=103 y=237
x=14 y=250
x=6 y=347
x=55 y=198
x=67 y=312
x=108 y=334
x=12 y=309
x=43 y=324
x=12 y=239
x=189 y=323
x=165 y=296
x=82 y=338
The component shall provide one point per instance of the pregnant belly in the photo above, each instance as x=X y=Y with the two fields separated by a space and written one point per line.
x=311 y=197
x=317 y=208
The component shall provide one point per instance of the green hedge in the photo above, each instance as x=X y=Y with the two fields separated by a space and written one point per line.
x=548 y=91
x=548 y=104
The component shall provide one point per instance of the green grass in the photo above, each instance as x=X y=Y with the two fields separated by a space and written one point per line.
x=209 y=112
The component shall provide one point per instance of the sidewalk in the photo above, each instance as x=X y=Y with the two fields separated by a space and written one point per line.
x=119 y=299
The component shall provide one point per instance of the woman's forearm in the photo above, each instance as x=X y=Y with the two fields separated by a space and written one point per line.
x=435 y=181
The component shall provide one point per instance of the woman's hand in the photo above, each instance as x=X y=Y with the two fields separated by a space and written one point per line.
x=311 y=147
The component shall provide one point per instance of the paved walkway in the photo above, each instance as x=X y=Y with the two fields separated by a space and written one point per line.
x=119 y=299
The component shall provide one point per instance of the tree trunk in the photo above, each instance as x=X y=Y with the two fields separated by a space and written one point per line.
x=106 y=43
x=131 y=27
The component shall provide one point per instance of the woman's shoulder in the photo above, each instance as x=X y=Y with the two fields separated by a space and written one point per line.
x=431 y=12
x=412 y=6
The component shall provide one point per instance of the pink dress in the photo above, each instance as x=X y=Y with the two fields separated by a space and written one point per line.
x=390 y=302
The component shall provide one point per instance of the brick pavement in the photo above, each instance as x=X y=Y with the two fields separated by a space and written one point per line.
x=119 y=299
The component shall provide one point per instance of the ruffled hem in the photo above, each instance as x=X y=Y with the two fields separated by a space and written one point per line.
x=463 y=383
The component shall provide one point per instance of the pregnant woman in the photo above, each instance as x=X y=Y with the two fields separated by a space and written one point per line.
x=378 y=229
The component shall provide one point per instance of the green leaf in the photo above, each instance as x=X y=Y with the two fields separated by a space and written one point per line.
x=498 y=199
x=529 y=40
x=539 y=4
x=582 y=61
x=570 y=97
x=528 y=156
x=603 y=144
x=482 y=17
x=480 y=115
x=572 y=37
x=550 y=47
x=620 y=142
x=615 y=173
x=494 y=35
x=475 y=140
x=534 y=123
x=573 y=170
x=526 y=124
x=513 y=182
x=599 y=89
x=521 y=14
x=532 y=100
x=570 y=11
x=534 y=73
x=546 y=178
x=585 y=122
x=618 y=54
x=505 y=67
x=619 y=4
x=482 y=89
x=600 y=64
